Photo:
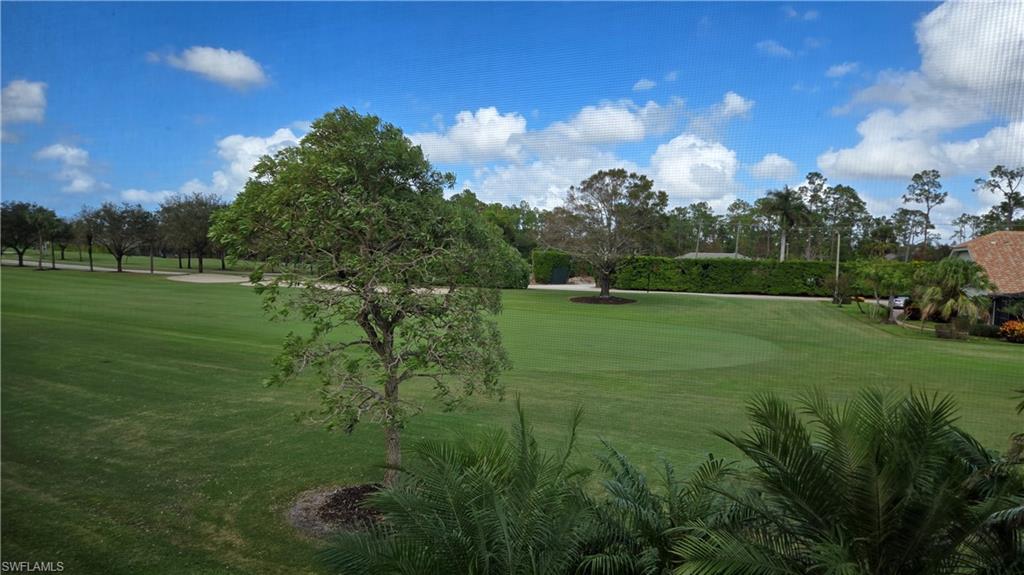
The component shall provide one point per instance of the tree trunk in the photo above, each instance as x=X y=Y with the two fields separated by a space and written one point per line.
x=40 y=259
x=782 y=246
x=223 y=265
x=189 y=254
x=79 y=252
x=119 y=261
x=150 y=259
x=21 y=258
x=90 y=256
x=393 y=439
x=179 y=259
x=199 y=255
x=604 y=281
x=62 y=250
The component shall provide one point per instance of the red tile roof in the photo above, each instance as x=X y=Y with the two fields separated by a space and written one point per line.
x=1002 y=256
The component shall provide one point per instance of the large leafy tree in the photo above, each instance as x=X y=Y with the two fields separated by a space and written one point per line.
x=786 y=205
x=1006 y=183
x=879 y=485
x=186 y=221
x=121 y=228
x=356 y=217
x=605 y=218
x=926 y=188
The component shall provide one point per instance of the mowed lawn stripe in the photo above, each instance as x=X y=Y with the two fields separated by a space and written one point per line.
x=137 y=437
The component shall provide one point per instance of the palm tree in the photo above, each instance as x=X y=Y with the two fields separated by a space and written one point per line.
x=953 y=288
x=498 y=506
x=635 y=526
x=879 y=485
x=790 y=209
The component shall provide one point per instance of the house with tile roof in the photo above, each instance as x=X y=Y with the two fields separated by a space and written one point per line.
x=1001 y=254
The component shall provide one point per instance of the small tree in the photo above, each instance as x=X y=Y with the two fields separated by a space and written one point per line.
x=63 y=235
x=953 y=288
x=85 y=225
x=605 y=219
x=44 y=221
x=19 y=229
x=925 y=188
x=361 y=209
x=121 y=228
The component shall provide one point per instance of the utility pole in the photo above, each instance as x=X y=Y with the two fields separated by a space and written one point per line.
x=835 y=293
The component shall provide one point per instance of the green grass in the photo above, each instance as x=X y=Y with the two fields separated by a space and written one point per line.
x=136 y=437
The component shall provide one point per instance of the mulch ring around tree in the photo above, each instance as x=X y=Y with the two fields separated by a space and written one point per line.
x=610 y=300
x=324 y=511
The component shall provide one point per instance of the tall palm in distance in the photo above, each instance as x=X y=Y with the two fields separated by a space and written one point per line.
x=789 y=207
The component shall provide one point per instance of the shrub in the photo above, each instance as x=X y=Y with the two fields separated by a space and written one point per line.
x=984 y=330
x=949 y=331
x=1013 y=331
x=725 y=276
x=755 y=276
x=551 y=266
x=498 y=505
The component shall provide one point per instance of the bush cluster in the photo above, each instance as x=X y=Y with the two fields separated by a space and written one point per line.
x=725 y=276
x=984 y=330
x=549 y=265
x=1013 y=331
x=770 y=277
x=804 y=500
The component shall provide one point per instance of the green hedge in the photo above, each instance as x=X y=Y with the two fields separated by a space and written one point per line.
x=768 y=277
x=549 y=263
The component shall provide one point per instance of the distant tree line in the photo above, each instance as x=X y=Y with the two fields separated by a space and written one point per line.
x=180 y=227
x=619 y=212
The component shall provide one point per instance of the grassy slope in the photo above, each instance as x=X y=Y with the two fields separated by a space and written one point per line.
x=137 y=437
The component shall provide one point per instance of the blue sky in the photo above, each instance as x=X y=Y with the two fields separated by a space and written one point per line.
x=714 y=101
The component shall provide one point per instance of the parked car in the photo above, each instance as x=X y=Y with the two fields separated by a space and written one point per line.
x=900 y=302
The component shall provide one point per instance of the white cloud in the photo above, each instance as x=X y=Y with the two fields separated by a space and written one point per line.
x=603 y=124
x=239 y=154
x=774 y=167
x=538 y=166
x=476 y=137
x=690 y=168
x=840 y=70
x=708 y=123
x=735 y=105
x=231 y=68
x=672 y=76
x=144 y=197
x=544 y=181
x=74 y=169
x=773 y=48
x=972 y=69
x=643 y=84
x=23 y=101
